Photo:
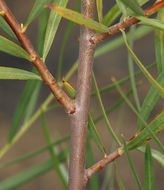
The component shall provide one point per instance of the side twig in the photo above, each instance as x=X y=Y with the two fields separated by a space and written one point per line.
x=96 y=38
x=102 y=163
x=79 y=119
x=60 y=95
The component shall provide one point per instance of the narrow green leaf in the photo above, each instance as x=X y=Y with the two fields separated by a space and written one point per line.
x=122 y=8
x=150 y=131
x=94 y=181
x=131 y=165
x=159 y=43
x=52 y=26
x=152 y=22
x=34 y=153
x=159 y=157
x=26 y=176
x=79 y=18
x=52 y=152
x=95 y=134
x=6 y=28
x=156 y=125
x=109 y=127
x=17 y=74
x=150 y=101
x=21 y=109
x=131 y=68
x=42 y=26
x=118 y=179
x=36 y=10
x=149 y=170
x=30 y=107
x=12 y=48
x=134 y=6
x=110 y=17
x=65 y=42
x=143 y=69
x=99 y=5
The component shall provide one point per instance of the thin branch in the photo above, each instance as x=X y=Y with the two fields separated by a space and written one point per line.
x=102 y=163
x=60 y=95
x=79 y=119
x=96 y=38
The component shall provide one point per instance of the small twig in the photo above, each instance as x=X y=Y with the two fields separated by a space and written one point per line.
x=96 y=38
x=102 y=163
x=18 y=29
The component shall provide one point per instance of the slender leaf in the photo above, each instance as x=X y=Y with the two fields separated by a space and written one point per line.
x=65 y=41
x=152 y=22
x=113 y=13
x=149 y=170
x=156 y=125
x=116 y=105
x=109 y=127
x=42 y=26
x=20 y=110
x=150 y=101
x=94 y=181
x=26 y=176
x=36 y=10
x=150 y=131
x=159 y=157
x=12 y=48
x=52 y=26
x=131 y=68
x=99 y=5
x=159 y=43
x=131 y=165
x=134 y=6
x=122 y=8
x=79 y=18
x=95 y=134
x=34 y=153
x=119 y=181
x=144 y=70
x=30 y=107
x=6 y=28
x=17 y=74
x=52 y=152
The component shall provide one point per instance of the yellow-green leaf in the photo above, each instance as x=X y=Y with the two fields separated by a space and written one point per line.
x=149 y=169
x=17 y=74
x=100 y=10
x=152 y=22
x=159 y=43
x=134 y=6
x=141 y=137
x=143 y=69
x=12 y=48
x=37 y=8
x=52 y=27
x=79 y=18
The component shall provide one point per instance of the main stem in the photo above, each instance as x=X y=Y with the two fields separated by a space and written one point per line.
x=79 y=119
